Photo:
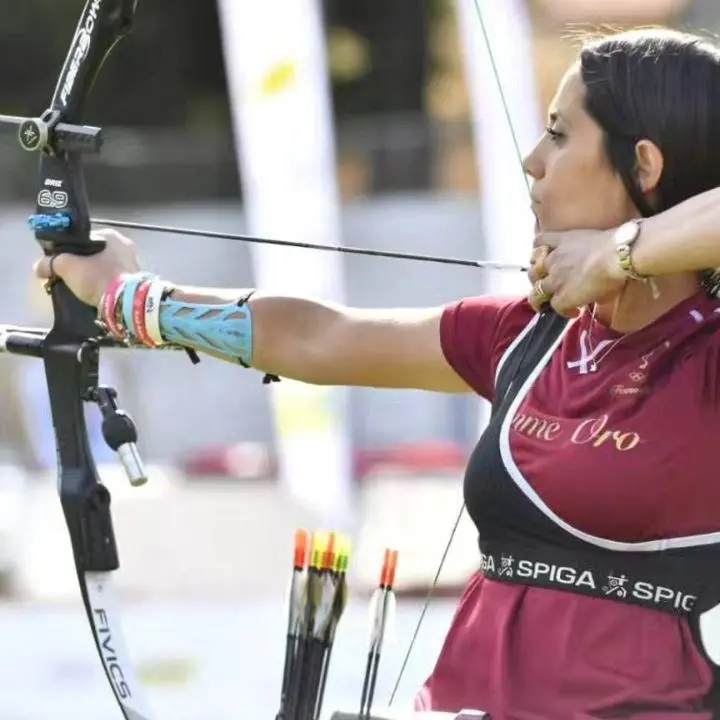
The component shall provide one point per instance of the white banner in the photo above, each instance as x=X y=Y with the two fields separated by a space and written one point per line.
x=280 y=95
x=508 y=221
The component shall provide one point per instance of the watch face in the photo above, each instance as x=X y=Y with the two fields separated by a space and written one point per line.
x=627 y=233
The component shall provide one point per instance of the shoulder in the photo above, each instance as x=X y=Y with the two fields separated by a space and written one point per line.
x=495 y=320
x=475 y=333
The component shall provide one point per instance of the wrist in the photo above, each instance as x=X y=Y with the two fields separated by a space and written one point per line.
x=119 y=309
x=625 y=239
x=613 y=268
x=105 y=288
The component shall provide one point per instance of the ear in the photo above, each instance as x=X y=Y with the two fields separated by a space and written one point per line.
x=649 y=163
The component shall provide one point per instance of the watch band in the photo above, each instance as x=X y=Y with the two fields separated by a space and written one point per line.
x=625 y=238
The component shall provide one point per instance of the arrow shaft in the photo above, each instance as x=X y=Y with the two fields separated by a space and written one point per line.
x=482 y=264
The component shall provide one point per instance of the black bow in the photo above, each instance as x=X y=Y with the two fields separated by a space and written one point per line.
x=71 y=349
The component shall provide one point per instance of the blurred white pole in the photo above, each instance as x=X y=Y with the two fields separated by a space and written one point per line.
x=280 y=94
x=507 y=219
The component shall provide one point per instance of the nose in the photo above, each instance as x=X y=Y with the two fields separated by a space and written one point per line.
x=533 y=164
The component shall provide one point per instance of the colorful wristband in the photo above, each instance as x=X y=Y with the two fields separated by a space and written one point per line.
x=109 y=307
x=128 y=294
x=156 y=294
x=139 y=329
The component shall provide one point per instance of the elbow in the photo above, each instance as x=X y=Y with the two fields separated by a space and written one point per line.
x=307 y=359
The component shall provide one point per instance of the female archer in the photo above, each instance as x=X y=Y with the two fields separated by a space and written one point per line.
x=594 y=487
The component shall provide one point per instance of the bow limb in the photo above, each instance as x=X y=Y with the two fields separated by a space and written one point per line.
x=70 y=350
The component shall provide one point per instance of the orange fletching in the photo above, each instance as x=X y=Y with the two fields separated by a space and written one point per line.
x=301 y=548
x=387 y=576
x=328 y=560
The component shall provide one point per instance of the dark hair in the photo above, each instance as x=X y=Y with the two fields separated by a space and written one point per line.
x=664 y=86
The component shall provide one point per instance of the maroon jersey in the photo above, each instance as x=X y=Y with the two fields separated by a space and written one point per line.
x=615 y=439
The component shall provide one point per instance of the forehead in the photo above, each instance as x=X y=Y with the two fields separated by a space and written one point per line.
x=568 y=100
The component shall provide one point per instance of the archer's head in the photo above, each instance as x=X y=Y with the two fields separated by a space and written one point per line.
x=631 y=131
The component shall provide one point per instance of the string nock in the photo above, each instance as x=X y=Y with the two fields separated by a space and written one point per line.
x=57 y=221
x=387 y=575
x=301 y=549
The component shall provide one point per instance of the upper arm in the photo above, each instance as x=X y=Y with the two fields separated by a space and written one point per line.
x=452 y=348
x=397 y=348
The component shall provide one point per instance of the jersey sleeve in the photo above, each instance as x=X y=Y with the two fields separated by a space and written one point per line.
x=474 y=334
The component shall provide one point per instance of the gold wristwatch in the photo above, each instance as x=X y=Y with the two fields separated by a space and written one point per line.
x=625 y=238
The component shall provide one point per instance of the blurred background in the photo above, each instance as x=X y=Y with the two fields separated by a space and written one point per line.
x=377 y=125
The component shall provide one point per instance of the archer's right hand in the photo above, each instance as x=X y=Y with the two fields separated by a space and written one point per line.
x=87 y=277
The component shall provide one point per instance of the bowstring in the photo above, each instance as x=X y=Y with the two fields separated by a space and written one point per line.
x=503 y=97
x=456 y=524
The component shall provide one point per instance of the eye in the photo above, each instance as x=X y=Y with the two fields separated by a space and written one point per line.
x=554 y=135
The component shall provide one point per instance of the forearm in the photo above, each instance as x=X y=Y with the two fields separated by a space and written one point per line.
x=313 y=341
x=685 y=238
x=286 y=336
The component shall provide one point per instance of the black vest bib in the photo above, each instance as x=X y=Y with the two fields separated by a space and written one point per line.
x=519 y=543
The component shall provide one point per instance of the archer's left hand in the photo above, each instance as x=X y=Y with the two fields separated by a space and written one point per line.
x=574 y=268
x=87 y=277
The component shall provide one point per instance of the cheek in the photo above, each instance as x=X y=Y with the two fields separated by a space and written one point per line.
x=583 y=193
x=612 y=205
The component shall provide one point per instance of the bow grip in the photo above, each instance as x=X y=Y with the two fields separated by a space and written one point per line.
x=62 y=225
x=72 y=316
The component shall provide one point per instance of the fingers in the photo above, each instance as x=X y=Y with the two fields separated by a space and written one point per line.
x=49 y=267
x=546 y=293
x=540 y=294
x=105 y=233
x=550 y=240
x=545 y=288
x=538 y=263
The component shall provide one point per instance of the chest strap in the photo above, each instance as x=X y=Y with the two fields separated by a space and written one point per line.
x=678 y=582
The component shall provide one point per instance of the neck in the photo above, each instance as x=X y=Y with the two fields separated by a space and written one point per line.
x=636 y=307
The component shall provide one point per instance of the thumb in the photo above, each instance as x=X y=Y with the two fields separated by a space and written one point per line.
x=42 y=269
x=47 y=267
